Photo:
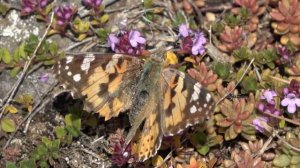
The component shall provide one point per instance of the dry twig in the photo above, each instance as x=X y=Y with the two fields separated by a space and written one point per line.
x=14 y=89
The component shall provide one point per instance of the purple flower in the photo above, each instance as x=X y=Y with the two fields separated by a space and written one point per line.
x=94 y=4
x=64 y=15
x=44 y=78
x=121 y=153
x=113 y=41
x=269 y=96
x=268 y=108
x=135 y=38
x=183 y=30
x=285 y=54
x=127 y=42
x=192 y=42
x=292 y=102
x=31 y=6
x=198 y=44
x=260 y=123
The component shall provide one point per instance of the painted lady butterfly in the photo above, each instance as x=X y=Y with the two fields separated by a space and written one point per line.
x=162 y=101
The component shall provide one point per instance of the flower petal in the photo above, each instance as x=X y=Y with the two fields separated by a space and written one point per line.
x=112 y=41
x=291 y=108
x=297 y=101
x=195 y=50
x=183 y=30
x=285 y=102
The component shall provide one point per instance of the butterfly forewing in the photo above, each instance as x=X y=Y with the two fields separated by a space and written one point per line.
x=107 y=82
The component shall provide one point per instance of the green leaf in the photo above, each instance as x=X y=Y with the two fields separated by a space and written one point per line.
x=282 y=124
x=31 y=43
x=5 y=56
x=43 y=164
x=81 y=26
x=4 y=8
x=217 y=28
x=203 y=150
x=73 y=131
x=282 y=161
x=102 y=34
x=49 y=62
x=55 y=144
x=69 y=139
x=11 y=109
x=13 y=72
x=68 y=119
x=20 y=52
x=60 y=132
x=42 y=150
x=73 y=119
x=222 y=70
x=8 y=125
x=47 y=142
x=232 y=20
x=104 y=18
x=27 y=163
x=35 y=155
x=295 y=160
x=10 y=165
x=241 y=54
x=149 y=16
x=53 y=48
x=249 y=84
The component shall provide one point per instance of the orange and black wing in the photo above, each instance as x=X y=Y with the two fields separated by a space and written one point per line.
x=186 y=102
x=106 y=81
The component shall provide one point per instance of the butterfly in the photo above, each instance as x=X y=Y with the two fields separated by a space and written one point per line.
x=162 y=101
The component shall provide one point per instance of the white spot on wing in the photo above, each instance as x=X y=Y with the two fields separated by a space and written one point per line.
x=195 y=95
x=193 y=109
x=67 y=67
x=69 y=59
x=86 y=63
x=208 y=97
x=110 y=65
x=77 y=77
x=69 y=73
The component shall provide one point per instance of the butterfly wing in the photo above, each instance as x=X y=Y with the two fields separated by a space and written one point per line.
x=185 y=103
x=106 y=81
x=150 y=138
x=146 y=110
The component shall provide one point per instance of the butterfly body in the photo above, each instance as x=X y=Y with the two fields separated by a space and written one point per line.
x=162 y=101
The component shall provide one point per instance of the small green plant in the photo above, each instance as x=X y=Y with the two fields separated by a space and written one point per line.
x=43 y=156
x=232 y=20
x=14 y=62
x=71 y=129
x=222 y=70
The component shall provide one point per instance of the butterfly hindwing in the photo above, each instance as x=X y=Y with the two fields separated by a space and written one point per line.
x=107 y=82
x=186 y=102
